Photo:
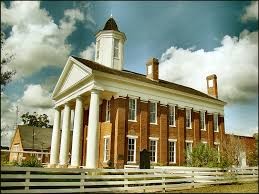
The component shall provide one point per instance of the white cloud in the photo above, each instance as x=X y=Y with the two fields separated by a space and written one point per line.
x=251 y=12
x=36 y=96
x=35 y=39
x=235 y=63
x=89 y=52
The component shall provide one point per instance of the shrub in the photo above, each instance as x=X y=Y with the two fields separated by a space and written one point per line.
x=32 y=161
x=203 y=156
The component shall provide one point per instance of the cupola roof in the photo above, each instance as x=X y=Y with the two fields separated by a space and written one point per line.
x=111 y=25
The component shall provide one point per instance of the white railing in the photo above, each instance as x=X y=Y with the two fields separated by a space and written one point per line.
x=56 y=180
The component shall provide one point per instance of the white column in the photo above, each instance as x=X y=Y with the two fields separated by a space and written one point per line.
x=92 y=135
x=65 y=137
x=55 y=140
x=77 y=131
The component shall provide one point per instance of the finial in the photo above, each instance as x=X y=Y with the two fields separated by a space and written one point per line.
x=111 y=14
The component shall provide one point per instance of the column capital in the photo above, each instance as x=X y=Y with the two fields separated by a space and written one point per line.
x=58 y=108
x=80 y=97
x=95 y=91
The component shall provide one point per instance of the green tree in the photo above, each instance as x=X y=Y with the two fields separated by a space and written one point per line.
x=36 y=120
x=6 y=75
x=204 y=156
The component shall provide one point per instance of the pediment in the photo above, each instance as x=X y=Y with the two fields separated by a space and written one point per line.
x=73 y=74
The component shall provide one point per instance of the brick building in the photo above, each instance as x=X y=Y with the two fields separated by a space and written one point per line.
x=118 y=113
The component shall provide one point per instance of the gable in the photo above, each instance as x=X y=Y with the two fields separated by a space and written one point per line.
x=16 y=139
x=73 y=74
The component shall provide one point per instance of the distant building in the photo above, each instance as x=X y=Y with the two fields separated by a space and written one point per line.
x=247 y=147
x=33 y=139
x=118 y=113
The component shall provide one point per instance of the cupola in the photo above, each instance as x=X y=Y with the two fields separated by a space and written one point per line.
x=110 y=45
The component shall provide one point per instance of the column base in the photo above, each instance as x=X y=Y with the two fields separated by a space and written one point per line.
x=62 y=166
x=52 y=165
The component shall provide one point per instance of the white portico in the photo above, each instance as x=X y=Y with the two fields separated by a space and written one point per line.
x=77 y=89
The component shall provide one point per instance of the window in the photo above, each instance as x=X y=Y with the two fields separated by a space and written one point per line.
x=210 y=83
x=216 y=144
x=108 y=110
x=16 y=153
x=188 y=118
x=132 y=109
x=153 y=109
x=172 y=151
x=153 y=150
x=172 y=115
x=188 y=151
x=215 y=123
x=202 y=120
x=149 y=69
x=116 y=48
x=106 y=150
x=98 y=49
x=131 y=149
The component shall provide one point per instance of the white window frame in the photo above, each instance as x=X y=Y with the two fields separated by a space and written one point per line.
x=106 y=147
x=98 y=49
x=155 y=139
x=116 y=48
x=215 y=115
x=172 y=107
x=149 y=69
x=174 y=141
x=135 y=149
x=203 y=113
x=108 y=111
x=188 y=142
x=16 y=149
x=218 y=149
x=135 y=111
x=190 y=111
x=152 y=102
x=210 y=83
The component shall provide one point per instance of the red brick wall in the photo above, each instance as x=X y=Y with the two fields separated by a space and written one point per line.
x=119 y=127
x=196 y=128
x=210 y=130
x=163 y=140
x=144 y=125
x=120 y=132
x=181 y=137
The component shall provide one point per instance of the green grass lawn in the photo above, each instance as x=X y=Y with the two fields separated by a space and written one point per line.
x=234 y=188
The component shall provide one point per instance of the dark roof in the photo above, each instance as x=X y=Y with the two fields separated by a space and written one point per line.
x=111 y=25
x=141 y=77
x=42 y=137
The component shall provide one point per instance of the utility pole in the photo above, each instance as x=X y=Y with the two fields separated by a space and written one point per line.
x=16 y=117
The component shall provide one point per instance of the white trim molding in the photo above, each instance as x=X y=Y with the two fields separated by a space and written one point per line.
x=154 y=138
x=132 y=136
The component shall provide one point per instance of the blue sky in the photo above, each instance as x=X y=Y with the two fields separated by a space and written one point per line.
x=191 y=40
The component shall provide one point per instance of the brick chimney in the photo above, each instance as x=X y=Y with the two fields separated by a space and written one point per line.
x=152 y=69
x=212 y=85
